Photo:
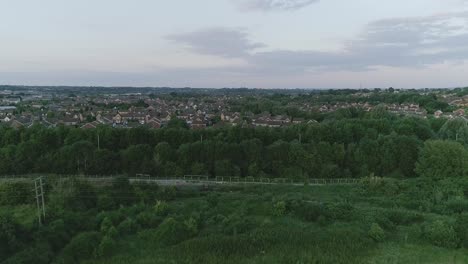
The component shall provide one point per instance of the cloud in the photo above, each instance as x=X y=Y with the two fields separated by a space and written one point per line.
x=217 y=41
x=271 y=5
x=399 y=42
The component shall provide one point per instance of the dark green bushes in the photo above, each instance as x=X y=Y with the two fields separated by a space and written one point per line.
x=403 y=217
x=16 y=193
x=441 y=233
x=81 y=247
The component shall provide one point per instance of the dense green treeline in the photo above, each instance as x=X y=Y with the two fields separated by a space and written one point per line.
x=347 y=144
x=278 y=104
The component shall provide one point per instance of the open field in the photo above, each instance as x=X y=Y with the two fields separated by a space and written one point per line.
x=378 y=221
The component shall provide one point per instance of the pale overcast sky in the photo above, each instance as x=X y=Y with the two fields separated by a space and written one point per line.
x=234 y=43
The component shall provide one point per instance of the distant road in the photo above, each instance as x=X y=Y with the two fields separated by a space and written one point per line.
x=189 y=181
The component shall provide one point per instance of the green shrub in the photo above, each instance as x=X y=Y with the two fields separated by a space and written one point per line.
x=15 y=193
x=40 y=253
x=127 y=227
x=148 y=219
x=322 y=220
x=212 y=199
x=192 y=224
x=339 y=211
x=167 y=193
x=55 y=233
x=106 y=224
x=9 y=241
x=112 y=232
x=458 y=206
x=279 y=208
x=461 y=228
x=379 y=185
x=403 y=217
x=309 y=211
x=171 y=232
x=441 y=234
x=376 y=233
x=236 y=224
x=81 y=247
x=106 y=202
x=161 y=208
x=383 y=221
x=106 y=247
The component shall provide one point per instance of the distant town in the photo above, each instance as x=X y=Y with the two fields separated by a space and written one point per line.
x=89 y=107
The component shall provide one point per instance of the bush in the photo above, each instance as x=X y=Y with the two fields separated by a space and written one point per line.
x=384 y=222
x=127 y=227
x=56 y=234
x=458 y=206
x=461 y=228
x=339 y=211
x=171 y=232
x=192 y=224
x=9 y=241
x=40 y=253
x=161 y=208
x=441 y=234
x=309 y=211
x=376 y=233
x=378 y=185
x=148 y=219
x=167 y=193
x=404 y=217
x=15 y=193
x=279 y=208
x=81 y=247
x=106 y=247
x=212 y=199
x=236 y=224
x=106 y=224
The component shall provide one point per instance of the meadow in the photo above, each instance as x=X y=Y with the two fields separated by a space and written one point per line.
x=379 y=220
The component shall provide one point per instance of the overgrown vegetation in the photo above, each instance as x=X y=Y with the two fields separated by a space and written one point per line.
x=122 y=223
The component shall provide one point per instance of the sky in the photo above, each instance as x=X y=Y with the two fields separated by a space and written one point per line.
x=235 y=43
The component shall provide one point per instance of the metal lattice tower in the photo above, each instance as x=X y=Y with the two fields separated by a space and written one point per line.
x=39 y=190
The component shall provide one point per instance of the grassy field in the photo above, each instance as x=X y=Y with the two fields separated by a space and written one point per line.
x=272 y=224
x=381 y=221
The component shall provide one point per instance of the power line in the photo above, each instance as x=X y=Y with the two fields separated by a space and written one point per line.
x=39 y=190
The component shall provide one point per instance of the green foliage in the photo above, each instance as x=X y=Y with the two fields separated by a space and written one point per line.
x=376 y=233
x=127 y=227
x=106 y=247
x=442 y=159
x=170 y=232
x=161 y=208
x=81 y=247
x=309 y=211
x=9 y=241
x=73 y=194
x=39 y=253
x=167 y=193
x=15 y=193
x=440 y=233
x=403 y=217
x=382 y=186
x=148 y=219
x=461 y=229
x=176 y=123
x=122 y=192
x=339 y=211
x=279 y=208
x=106 y=225
x=455 y=129
x=192 y=224
x=235 y=224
